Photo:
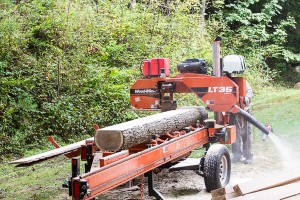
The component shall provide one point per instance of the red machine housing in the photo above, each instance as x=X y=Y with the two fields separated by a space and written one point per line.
x=153 y=67
x=220 y=94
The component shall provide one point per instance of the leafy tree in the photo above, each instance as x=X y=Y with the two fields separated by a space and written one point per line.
x=65 y=65
x=252 y=28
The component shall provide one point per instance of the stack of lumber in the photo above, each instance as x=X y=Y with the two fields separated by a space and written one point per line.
x=285 y=185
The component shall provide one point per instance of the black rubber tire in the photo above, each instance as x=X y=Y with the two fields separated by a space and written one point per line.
x=216 y=174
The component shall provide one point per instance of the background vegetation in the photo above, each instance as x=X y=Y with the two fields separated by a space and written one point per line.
x=34 y=182
x=65 y=65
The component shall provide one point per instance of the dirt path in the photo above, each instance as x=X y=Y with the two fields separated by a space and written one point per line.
x=187 y=185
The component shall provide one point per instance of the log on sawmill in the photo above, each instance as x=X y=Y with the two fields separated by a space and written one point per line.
x=131 y=133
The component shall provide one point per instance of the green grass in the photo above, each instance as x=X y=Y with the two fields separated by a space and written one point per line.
x=43 y=181
x=40 y=181
x=281 y=109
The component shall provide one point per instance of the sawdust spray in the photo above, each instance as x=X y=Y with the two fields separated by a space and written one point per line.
x=289 y=156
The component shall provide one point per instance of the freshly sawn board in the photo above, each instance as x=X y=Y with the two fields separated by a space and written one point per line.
x=277 y=193
x=50 y=154
x=131 y=133
x=256 y=185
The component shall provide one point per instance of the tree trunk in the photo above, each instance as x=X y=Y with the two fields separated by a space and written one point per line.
x=128 y=134
x=202 y=13
x=132 y=4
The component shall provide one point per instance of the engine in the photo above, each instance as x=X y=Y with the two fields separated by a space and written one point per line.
x=198 y=66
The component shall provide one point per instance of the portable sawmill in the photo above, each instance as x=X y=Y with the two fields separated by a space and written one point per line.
x=119 y=153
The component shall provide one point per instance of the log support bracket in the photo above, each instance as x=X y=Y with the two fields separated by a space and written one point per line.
x=152 y=191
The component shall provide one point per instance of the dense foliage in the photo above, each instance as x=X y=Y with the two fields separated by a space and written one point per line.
x=65 y=65
x=258 y=30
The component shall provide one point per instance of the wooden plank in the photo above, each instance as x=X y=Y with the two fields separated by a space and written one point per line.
x=294 y=197
x=276 y=193
x=96 y=161
x=49 y=154
x=266 y=183
x=222 y=197
x=218 y=192
x=128 y=134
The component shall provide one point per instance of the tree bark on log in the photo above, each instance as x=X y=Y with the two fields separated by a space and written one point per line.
x=131 y=133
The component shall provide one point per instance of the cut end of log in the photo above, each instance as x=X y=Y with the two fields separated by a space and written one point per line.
x=111 y=140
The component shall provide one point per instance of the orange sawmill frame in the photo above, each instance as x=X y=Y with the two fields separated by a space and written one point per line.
x=125 y=169
x=221 y=94
x=125 y=166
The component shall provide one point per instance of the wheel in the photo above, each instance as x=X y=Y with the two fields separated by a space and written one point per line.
x=217 y=167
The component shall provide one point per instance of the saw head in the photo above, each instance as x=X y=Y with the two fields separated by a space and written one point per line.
x=167 y=105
